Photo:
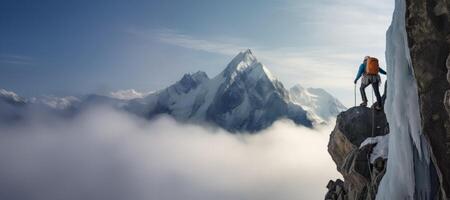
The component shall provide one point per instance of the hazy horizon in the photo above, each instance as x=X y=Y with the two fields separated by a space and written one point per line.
x=91 y=47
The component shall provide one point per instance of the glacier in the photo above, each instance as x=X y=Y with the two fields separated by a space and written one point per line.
x=408 y=167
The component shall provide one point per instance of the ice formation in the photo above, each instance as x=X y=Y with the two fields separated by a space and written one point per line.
x=407 y=175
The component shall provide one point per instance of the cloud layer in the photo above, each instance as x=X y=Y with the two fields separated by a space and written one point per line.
x=105 y=154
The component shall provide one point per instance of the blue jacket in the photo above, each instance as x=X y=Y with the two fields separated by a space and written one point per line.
x=362 y=69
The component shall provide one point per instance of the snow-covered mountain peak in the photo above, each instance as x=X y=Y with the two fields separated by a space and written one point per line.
x=127 y=94
x=245 y=63
x=197 y=77
x=320 y=104
x=240 y=63
x=244 y=97
x=200 y=76
x=259 y=70
x=11 y=97
x=190 y=81
x=247 y=56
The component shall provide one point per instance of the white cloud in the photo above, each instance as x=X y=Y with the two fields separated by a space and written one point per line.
x=103 y=154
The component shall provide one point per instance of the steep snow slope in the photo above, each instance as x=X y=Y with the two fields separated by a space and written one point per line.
x=407 y=175
x=319 y=104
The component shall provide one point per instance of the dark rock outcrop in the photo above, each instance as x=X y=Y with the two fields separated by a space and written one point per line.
x=427 y=30
x=336 y=190
x=361 y=178
x=427 y=27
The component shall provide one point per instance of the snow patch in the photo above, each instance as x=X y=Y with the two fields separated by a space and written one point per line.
x=381 y=148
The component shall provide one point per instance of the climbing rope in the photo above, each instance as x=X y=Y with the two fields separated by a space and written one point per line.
x=373 y=133
x=354 y=93
x=368 y=164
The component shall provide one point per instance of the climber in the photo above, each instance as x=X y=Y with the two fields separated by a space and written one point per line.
x=369 y=69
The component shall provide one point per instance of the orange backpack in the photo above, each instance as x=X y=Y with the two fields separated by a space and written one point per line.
x=372 y=66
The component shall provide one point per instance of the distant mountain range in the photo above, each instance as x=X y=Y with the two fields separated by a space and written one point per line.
x=245 y=96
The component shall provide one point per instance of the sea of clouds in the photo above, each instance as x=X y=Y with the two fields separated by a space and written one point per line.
x=107 y=154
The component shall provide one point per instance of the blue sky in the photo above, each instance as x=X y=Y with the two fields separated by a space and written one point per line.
x=79 y=47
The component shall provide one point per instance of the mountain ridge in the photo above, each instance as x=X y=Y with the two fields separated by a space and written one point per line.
x=244 y=97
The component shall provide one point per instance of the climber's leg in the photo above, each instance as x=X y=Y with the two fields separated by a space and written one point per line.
x=376 y=89
x=363 y=93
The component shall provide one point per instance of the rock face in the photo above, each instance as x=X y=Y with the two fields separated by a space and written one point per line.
x=361 y=177
x=427 y=27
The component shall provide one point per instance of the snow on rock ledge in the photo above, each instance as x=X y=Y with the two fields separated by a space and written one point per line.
x=353 y=128
x=380 y=150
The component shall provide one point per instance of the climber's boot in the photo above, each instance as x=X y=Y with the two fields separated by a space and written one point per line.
x=363 y=104
x=378 y=107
